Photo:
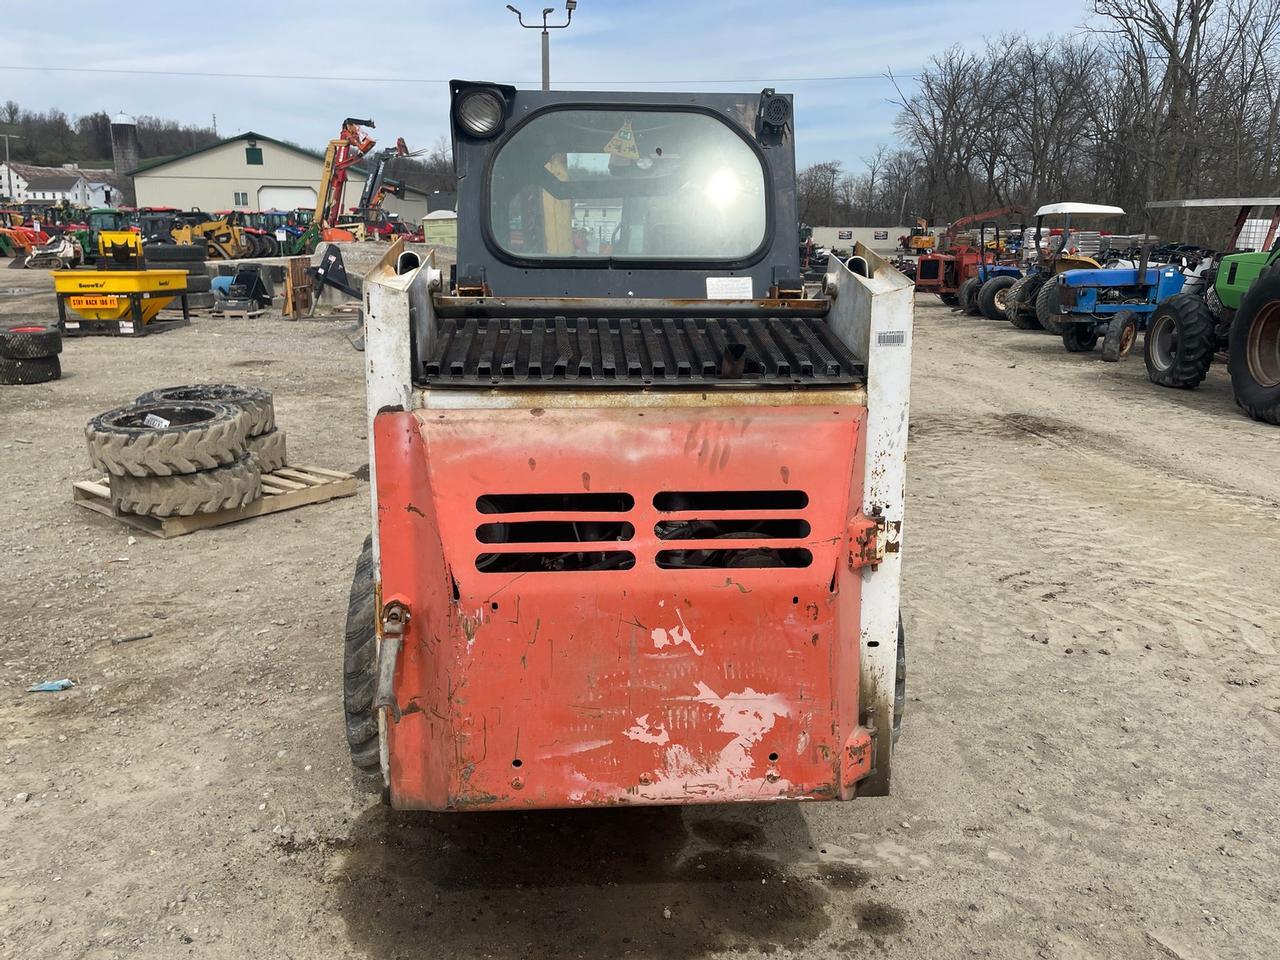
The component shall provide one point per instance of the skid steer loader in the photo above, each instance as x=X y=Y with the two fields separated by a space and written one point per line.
x=637 y=500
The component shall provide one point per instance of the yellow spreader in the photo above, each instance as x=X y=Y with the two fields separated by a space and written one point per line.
x=116 y=301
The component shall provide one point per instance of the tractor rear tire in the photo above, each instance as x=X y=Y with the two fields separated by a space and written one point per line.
x=1180 y=342
x=950 y=299
x=993 y=297
x=969 y=297
x=1122 y=334
x=200 y=436
x=1021 y=308
x=1254 y=360
x=256 y=402
x=205 y=491
x=28 y=372
x=1079 y=337
x=1047 y=311
x=29 y=341
x=173 y=252
x=360 y=676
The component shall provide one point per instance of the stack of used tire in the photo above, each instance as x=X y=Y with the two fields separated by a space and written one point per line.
x=29 y=353
x=184 y=450
x=184 y=256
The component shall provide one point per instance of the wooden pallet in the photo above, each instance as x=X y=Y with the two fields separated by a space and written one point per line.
x=239 y=314
x=282 y=489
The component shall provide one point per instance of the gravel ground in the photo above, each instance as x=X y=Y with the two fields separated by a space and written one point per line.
x=1086 y=770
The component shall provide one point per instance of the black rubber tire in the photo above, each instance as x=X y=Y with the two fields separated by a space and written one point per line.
x=1254 y=359
x=173 y=252
x=27 y=372
x=272 y=247
x=29 y=341
x=991 y=294
x=1079 y=337
x=200 y=301
x=1021 y=311
x=1047 y=307
x=360 y=676
x=255 y=402
x=199 y=284
x=206 y=491
x=950 y=299
x=968 y=297
x=1180 y=342
x=900 y=682
x=1122 y=334
x=201 y=436
x=269 y=448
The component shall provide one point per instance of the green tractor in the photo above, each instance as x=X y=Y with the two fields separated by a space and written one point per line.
x=1239 y=312
x=74 y=248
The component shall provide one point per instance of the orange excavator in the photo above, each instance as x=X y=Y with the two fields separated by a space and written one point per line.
x=954 y=228
x=343 y=152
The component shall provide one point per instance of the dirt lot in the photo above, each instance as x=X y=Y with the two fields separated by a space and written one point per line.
x=1088 y=766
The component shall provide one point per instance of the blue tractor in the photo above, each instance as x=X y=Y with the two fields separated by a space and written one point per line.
x=986 y=291
x=1114 y=303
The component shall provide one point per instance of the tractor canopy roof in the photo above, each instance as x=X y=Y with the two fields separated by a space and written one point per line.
x=1087 y=209
x=1220 y=202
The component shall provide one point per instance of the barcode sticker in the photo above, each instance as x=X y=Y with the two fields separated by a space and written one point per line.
x=151 y=420
x=891 y=338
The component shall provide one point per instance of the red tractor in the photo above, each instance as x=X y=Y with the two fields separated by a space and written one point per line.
x=956 y=272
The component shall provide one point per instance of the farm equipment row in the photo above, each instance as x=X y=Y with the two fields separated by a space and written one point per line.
x=1193 y=303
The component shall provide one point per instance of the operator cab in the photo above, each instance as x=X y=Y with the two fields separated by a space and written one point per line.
x=607 y=194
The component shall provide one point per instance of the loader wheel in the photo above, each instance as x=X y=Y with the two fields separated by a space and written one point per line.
x=969 y=297
x=900 y=682
x=1122 y=334
x=1180 y=342
x=359 y=676
x=28 y=372
x=200 y=436
x=270 y=450
x=993 y=297
x=1254 y=360
x=1079 y=337
x=1047 y=310
x=206 y=491
x=255 y=402
x=950 y=299
x=1021 y=310
x=29 y=341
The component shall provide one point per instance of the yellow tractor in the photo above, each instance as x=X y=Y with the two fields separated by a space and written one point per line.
x=223 y=237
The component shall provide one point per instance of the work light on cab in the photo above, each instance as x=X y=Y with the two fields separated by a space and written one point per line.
x=480 y=113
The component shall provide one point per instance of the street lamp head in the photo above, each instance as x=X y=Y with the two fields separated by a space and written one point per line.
x=513 y=9
x=546 y=11
x=570 y=5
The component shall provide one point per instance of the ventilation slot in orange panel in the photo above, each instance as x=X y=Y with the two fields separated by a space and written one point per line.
x=726 y=529
x=555 y=531
x=555 y=502
x=546 y=561
x=736 y=557
x=670 y=501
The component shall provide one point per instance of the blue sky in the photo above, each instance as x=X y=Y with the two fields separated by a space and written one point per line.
x=611 y=44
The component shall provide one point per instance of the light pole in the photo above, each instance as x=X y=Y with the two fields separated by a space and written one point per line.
x=546 y=37
x=8 y=170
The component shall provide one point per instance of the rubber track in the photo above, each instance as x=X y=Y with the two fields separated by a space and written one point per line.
x=270 y=450
x=208 y=491
x=359 y=675
x=164 y=453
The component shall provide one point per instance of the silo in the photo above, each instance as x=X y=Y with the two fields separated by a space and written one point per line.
x=124 y=153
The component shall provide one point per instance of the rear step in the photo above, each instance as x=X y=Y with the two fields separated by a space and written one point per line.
x=605 y=352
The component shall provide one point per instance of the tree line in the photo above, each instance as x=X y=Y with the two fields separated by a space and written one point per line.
x=1152 y=100
x=51 y=138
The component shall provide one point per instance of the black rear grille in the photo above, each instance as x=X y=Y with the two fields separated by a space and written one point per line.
x=645 y=352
